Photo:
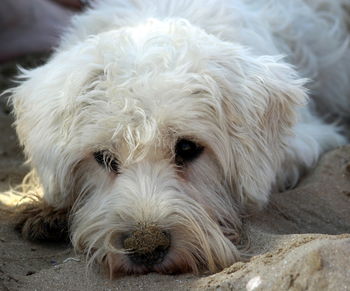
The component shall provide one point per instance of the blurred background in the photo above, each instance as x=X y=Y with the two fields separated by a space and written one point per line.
x=33 y=26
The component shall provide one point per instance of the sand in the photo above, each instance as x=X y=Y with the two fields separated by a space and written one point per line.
x=301 y=241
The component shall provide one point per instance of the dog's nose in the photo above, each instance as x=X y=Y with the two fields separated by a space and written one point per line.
x=147 y=245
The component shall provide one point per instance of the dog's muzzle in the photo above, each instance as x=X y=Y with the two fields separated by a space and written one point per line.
x=147 y=245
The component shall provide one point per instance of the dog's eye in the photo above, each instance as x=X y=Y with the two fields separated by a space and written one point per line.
x=107 y=160
x=186 y=151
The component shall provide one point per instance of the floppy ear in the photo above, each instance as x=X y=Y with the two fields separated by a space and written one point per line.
x=42 y=105
x=260 y=99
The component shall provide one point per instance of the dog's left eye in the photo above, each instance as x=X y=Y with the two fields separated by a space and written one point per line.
x=186 y=151
x=107 y=160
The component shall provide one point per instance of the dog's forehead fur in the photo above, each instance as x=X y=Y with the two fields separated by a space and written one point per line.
x=130 y=94
x=150 y=120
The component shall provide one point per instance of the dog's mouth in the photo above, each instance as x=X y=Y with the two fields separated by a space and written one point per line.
x=169 y=264
x=150 y=259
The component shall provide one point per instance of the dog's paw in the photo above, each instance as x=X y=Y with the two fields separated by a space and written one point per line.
x=38 y=221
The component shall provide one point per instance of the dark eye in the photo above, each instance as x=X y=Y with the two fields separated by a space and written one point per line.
x=186 y=151
x=107 y=160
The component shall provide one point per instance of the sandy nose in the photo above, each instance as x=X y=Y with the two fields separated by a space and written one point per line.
x=148 y=245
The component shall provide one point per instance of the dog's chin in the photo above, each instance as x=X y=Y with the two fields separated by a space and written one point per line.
x=119 y=265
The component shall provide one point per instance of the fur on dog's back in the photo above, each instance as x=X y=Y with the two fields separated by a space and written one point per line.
x=311 y=34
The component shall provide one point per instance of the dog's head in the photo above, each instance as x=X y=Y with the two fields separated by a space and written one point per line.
x=157 y=136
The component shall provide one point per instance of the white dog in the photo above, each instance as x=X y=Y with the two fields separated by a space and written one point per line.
x=156 y=123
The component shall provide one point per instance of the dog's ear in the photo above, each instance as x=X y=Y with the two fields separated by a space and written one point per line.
x=43 y=103
x=260 y=100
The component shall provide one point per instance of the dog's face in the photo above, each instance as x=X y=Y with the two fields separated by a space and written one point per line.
x=157 y=136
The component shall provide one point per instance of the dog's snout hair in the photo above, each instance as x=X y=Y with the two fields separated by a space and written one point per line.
x=154 y=194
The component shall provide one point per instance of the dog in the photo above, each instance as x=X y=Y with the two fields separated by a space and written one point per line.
x=155 y=125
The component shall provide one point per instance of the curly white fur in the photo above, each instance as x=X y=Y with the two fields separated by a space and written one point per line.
x=133 y=77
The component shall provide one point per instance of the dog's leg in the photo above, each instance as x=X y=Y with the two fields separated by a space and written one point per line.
x=39 y=221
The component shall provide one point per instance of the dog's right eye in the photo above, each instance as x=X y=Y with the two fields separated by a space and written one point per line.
x=186 y=151
x=107 y=160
